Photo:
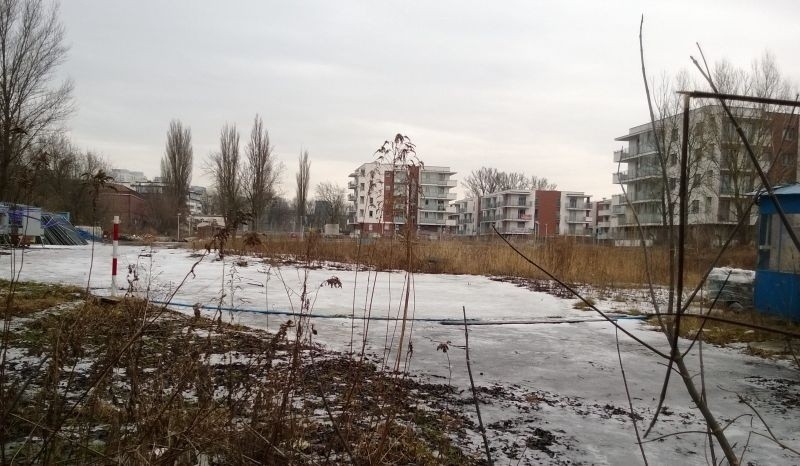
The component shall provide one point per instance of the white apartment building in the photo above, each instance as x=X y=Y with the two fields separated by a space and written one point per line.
x=575 y=214
x=378 y=194
x=606 y=215
x=127 y=177
x=720 y=173
x=510 y=212
x=466 y=217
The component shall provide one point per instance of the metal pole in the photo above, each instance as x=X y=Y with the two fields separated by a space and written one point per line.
x=179 y=227
x=114 y=253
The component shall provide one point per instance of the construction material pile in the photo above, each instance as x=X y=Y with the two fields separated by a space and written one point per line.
x=57 y=230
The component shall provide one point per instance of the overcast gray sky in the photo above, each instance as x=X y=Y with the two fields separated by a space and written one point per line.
x=538 y=87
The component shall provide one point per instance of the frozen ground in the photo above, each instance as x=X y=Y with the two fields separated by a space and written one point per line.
x=552 y=393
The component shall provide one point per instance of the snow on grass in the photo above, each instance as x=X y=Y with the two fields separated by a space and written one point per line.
x=552 y=393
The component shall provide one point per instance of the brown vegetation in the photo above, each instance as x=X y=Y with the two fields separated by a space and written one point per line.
x=568 y=259
x=129 y=382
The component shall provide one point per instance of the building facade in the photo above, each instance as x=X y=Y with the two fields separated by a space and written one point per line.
x=509 y=212
x=720 y=172
x=385 y=198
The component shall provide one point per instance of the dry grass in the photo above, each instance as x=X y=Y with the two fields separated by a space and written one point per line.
x=568 y=259
x=92 y=387
x=723 y=333
x=36 y=296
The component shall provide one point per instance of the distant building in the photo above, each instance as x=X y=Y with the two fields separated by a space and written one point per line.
x=466 y=215
x=117 y=199
x=381 y=204
x=524 y=212
x=127 y=177
x=575 y=214
x=510 y=212
x=720 y=172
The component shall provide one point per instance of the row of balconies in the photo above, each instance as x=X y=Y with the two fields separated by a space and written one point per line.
x=498 y=205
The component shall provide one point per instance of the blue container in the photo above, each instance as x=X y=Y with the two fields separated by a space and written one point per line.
x=777 y=285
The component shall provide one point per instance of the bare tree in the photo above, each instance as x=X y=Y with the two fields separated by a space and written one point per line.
x=511 y=180
x=767 y=128
x=31 y=48
x=262 y=172
x=302 y=177
x=536 y=183
x=333 y=196
x=224 y=167
x=176 y=166
x=481 y=182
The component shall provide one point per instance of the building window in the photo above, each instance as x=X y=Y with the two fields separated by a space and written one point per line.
x=370 y=214
x=695 y=208
x=371 y=201
x=361 y=199
x=708 y=205
x=362 y=186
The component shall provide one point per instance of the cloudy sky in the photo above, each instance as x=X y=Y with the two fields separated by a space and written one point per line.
x=538 y=87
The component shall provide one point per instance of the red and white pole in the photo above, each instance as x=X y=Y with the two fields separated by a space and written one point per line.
x=115 y=246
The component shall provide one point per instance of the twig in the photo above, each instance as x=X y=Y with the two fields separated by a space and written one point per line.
x=630 y=401
x=474 y=393
x=579 y=296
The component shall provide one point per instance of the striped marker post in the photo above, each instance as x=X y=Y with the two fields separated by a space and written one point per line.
x=115 y=245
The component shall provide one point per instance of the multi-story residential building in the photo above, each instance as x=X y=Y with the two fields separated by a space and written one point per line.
x=510 y=212
x=606 y=214
x=720 y=172
x=526 y=212
x=575 y=214
x=197 y=201
x=127 y=177
x=385 y=197
x=466 y=216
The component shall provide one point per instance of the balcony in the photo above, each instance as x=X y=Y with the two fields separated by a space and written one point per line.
x=434 y=208
x=430 y=195
x=579 y=206
x=351 y=197
x=432 y=221
x=515 y=231
x=352 y=185
x=432 y=182
x=579 y=220
x=644 y=219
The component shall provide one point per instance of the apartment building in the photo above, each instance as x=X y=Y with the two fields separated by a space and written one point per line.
x=523 y=212
x=720 y=172
x=510 y=212
x=384 y=198
x=466 y=217
x=575 y=214
x=606 y=215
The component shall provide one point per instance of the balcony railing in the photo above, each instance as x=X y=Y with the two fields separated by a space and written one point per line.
x=644 y=219
x=351 y=197
x=352 y=185
x=431 y=195
x=433 y=182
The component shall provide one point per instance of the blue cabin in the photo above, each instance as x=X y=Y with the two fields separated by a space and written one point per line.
x=777 y=286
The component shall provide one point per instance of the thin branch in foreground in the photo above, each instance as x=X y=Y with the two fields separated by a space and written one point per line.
x=630 y=401
x=579 y=296
x=474 y=393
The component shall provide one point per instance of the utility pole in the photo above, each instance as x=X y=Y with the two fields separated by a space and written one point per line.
x=179 y=226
